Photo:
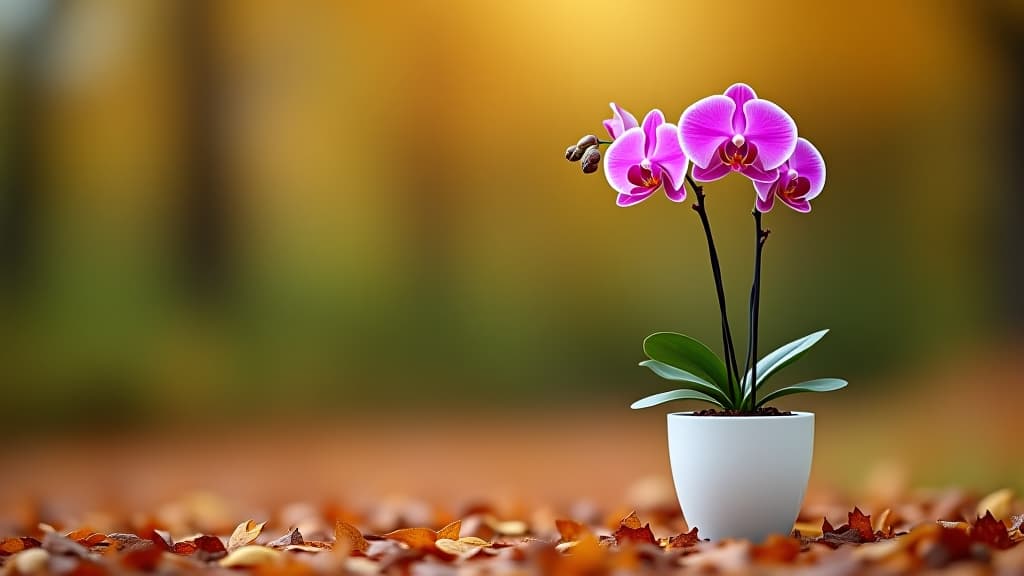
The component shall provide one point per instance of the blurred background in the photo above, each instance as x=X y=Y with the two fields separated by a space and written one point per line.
x=339 y=240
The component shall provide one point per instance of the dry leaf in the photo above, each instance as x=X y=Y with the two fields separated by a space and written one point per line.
x=32 y=561
x=776 y=549
x=629 y=530
x=347 y=534
x=416 y=538
x=451 y=531
x=250 y=555
x=991 y=532
x=293 y=538
x=684 y=540
x=245 y=533
x=461 y=546
x=998 y=503
x=570 y=530
x=631 y=521
x=506 y=527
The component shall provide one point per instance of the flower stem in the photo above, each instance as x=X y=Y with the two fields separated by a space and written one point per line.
x=730 y=352
x=760 y=237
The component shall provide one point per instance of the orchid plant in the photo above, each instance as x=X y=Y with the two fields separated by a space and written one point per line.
x=721 y=134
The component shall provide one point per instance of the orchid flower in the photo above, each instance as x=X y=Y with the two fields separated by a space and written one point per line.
x=644 y=158
x=801 y=179
x=736 y=132
x=620 y=121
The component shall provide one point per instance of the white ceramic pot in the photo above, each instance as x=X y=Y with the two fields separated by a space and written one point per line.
x=741 y=476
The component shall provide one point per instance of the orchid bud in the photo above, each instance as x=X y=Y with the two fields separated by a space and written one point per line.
x=591 y=158
x=587 y=141
x=573 y=154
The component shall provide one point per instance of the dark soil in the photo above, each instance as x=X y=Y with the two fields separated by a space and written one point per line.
x=763 y=411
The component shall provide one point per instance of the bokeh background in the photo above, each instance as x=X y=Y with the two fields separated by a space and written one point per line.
x=338 y=241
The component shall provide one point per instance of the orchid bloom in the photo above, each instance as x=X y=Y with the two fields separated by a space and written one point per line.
x=736 y=132
x=800 y=180
x=645 y=158
x=620 y=121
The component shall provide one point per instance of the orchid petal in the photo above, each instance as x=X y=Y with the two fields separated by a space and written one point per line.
x=674 y=194
x=625 y=200
x=740 y=94
x=772 y=130
x=653 y=119
x=807 y=161
x=625 y=152
x=764 y=204
x=704 y=126
x=716 y=170
x=668 y=155
x=620 y=122
x=764 y=191
x=798 y=204
x=758 y=174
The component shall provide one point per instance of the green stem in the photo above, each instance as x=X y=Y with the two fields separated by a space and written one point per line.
x=731 y=368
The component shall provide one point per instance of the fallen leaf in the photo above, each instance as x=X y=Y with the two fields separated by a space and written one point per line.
x=629 y=530
x=998 y=503
x=416 y=538
x=10 y=546
x=31 y=561
x=350 y=535
x=684 y=540
x=862 y=524
x=991 y=532
x=250 y=555
x=570 y=530
x=776 y=549
x=245 y=533
x=506 y=527
x=293 y=538
x=451 y=531
x=461 y=546
x=632 y=521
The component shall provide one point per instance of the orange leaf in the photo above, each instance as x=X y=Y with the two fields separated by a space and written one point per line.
x=684 y=540
x=777 y=549
x=631 y=521
x=347 y=533
x=451 y=531
x=245 y=533
x=570 y=530
x=416 y=538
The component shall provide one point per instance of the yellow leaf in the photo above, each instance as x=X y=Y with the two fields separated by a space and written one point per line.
x=998 y=503
x=632 y=521
x=245 y=533
x=250 y=556
x=455 y=547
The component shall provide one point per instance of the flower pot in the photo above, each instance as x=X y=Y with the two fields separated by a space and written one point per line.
x=741 y=476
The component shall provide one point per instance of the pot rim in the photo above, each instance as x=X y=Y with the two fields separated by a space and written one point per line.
x=796 y=415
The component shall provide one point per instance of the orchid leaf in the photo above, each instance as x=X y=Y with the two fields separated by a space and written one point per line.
x=693 y=381
x=782 y=357
x=671 y=396
x=687 y=354
x=819 y=385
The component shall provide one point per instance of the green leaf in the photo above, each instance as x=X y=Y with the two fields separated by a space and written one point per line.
x=819 y=385
x=780 y=358
x=693 y=381
x=687 y=354
x=670 y=396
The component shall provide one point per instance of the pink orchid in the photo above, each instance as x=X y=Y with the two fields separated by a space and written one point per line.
x=620 y=121
x=644 y=158
x=801 y=179
x=736 y=132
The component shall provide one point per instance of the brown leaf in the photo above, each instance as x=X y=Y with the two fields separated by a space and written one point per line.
x=142 y=559
x=684 y=540
x=862 y=524
x=776 y=549
x=348 y=534
x=293 y=538
x=991 y=532
x=629 y=530
x=245 y=533
x=415 y=538
x=998 y=503
x=250 y=555
x=570 y=530
x=451 y=531
x=60 y=546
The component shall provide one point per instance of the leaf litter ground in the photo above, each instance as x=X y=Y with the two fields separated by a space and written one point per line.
x=924 y=532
